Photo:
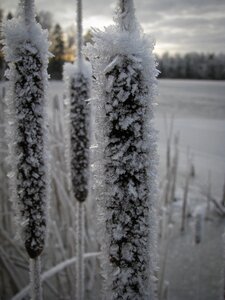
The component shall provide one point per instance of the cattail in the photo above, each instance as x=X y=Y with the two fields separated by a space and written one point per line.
x=174 y=169
x=77 y=77
x=198 y=227
x=78 y=80
x=223 y=196
x=125 y=73
x=26 y=51
x=78 y=92
x=209 y=195
x=185 y=197
x=165 y=291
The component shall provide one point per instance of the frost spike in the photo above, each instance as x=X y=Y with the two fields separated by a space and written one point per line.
x=26 y=50
x=126 y=174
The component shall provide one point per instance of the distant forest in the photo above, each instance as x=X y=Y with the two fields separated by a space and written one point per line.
x=187 y=66
x=192 y=66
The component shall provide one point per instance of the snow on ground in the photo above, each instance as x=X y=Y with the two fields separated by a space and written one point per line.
x=195 y=272
x=198 y=112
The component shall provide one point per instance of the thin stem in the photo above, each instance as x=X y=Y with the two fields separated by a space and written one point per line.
x=184 y=206
x=208 y=195
x=28 y=11
x=223 y=197
x=53 y=271
x=35 y=278
x=79 y=33
x=122 y=5
x=126 y=17
x=80 y=252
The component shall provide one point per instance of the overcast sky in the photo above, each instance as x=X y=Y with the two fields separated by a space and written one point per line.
x=177 y=25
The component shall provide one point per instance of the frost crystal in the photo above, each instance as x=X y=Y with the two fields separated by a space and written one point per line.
x=26 y=51
x=125 y=74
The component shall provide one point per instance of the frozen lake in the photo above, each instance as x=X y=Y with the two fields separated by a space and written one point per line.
x=192 y=98
x=181 y=98
x=197 y=108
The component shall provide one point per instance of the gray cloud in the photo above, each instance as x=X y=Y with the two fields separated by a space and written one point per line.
x=177 y=25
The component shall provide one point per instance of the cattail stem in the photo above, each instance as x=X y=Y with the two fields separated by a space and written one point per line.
x=80 y=251
x=198 y=228
x=126 y=17
x=175 y=168
x=185 y=199
x=223 y=196
x=208 y=195
x=79 y=33
x=28 y=11
x=35 y=278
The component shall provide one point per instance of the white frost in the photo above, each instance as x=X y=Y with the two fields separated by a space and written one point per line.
x=125 y=86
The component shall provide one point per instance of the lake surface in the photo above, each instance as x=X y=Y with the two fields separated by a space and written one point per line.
x=178 y=98
x=192 y=98
x=196 y=110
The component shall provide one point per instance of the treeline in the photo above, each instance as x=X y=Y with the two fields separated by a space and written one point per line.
x=192 y=66
x=188 y=66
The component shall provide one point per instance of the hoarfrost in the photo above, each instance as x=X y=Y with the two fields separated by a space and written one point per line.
x=125 y=72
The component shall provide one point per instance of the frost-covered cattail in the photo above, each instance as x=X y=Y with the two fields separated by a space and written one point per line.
x=78 y=81
x=198 y=228
x=223 y=196
x=185 y=200
x=125 y=73
x=26 y=51
x=199 y=215
x=77 y=77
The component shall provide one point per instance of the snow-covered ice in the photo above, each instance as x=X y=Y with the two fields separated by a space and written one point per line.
x=198 y=107
x=198 y=112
